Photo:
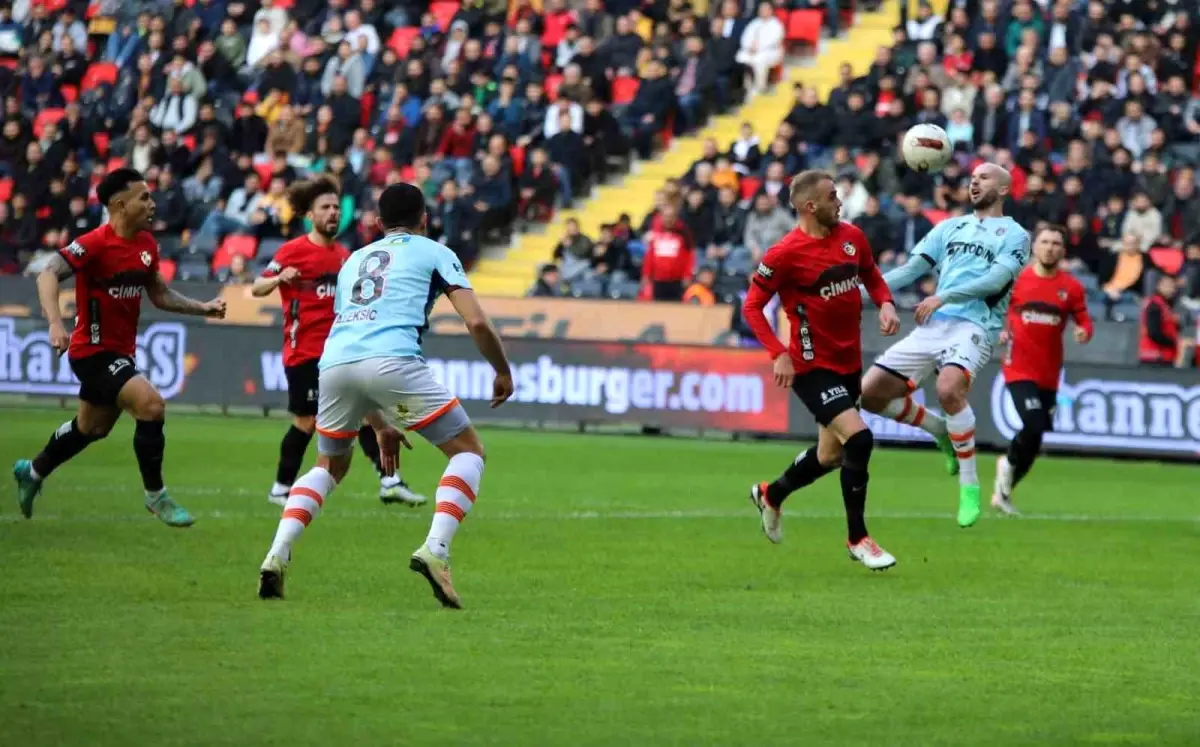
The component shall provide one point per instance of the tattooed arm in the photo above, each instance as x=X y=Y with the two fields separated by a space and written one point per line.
x=48 y=280
x=166 y=299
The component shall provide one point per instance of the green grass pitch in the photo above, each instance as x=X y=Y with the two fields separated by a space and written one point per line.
x=618 y=591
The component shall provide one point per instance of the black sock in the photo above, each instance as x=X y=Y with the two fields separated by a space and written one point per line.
x=291 y=455
x=1023 y=451
x=148 y=445
x=857 y=457
x=64 y=444
x=370 y=446
x=805 y=470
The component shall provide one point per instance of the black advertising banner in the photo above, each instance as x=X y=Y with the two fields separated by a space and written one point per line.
x=1103 y=409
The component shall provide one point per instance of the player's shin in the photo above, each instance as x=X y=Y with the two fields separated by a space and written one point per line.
x=304 y=502
x=149 y=443
x=856 y=459
x=804 y=470
x=961 y=426
x=291 y=457
x=64 y=444
x=907 y=410
x=455 y=496
x=1023 y=452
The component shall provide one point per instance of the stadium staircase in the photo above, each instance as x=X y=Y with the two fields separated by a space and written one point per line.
x=511 y=273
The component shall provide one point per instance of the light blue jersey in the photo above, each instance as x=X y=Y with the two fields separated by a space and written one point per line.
x=385 y=292
x=963 y=250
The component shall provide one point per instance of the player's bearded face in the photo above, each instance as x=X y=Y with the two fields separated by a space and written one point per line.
x=983 y=193
x=1049 y=249
x=326 y=215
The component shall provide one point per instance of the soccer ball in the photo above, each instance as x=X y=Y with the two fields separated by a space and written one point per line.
x=926 y=148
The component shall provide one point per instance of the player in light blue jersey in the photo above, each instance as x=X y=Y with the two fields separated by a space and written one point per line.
x=976 y=258
x=372 y=369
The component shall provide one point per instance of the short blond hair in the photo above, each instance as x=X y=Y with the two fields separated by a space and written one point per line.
x=805 y=182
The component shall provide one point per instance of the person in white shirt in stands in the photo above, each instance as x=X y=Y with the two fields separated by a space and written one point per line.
x=356 y=29
x=762 y=45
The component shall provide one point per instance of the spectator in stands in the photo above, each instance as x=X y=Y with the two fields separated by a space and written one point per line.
x=670 y=256
x=761 y=46
x=538 y=187
x=648 y=112
x=492 y=195
x=549 y=283
x=913 y=227
x=238 y=214
x=700 y=292
x=766 y=224
x=573 y=252
x=1160 y=339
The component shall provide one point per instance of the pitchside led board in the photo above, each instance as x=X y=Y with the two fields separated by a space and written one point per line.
x=1107 y=409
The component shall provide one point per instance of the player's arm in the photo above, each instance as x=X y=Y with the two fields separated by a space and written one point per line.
x=277 y=273
x=924 y=258
x=764 y=284
x=162 y=296
x=486 y=338
x=49 y=279
x=1014 y=253
x=1084 y=328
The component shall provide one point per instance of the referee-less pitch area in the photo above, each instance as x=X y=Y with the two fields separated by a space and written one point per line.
x=617 y=590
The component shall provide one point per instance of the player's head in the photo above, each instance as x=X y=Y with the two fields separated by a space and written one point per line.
x=814 y=195
x=319 y=200
x=1050 y=246
x=990 y=184
x=125 y=194
x=402 y=206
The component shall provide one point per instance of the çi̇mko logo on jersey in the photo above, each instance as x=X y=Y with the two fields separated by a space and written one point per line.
x=28 y=365
x=1114 y=414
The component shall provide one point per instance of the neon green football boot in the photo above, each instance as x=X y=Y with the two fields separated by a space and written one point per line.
x=168 y=511
x=968 y=505
x=27 y=487
x=947 y=448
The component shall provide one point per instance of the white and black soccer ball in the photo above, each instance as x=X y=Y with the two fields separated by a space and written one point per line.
x=927 y=148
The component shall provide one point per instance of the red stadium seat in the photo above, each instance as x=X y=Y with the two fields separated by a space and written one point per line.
x=624 y=89
x=114 y=163
x=98 y=74
x=805 y=26
x=556 y=28
x=44 y=117
x=247 y=246
x=8 y=62
x=6 y=189
x=552 y=84
x=517 y=154
x=401 y=39
x=167 y=268
x=69 y=92
x=1167 y=258
x=444 y=11
x=189 y=142
x=937 y=216
x=782 y=15
x=101 y=140
x=749 y=186
x=264 y=171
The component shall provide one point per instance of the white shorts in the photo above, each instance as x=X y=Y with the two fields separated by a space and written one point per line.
x=936 y=344
x=404 y=390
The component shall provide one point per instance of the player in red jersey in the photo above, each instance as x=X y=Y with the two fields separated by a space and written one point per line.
x=1044 y=298
x=816 y=271
x=305 y=272
x=112 y=265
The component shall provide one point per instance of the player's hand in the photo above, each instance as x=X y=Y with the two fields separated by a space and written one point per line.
x=502 y=389
x=926 y=308
x=59 y=339
x=889 y=320
x=215 y=309
x=1082 y=336
x=288 y=275
x=390 y=439
x=785 y=372
x=1005 y=337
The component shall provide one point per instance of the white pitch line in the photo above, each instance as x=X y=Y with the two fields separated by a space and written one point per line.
x=333 y=512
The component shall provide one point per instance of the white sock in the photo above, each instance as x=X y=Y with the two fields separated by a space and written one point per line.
x=905 y=410
x=389 y=481
x=962 y=435
x=33 y=475
x=280 y=489
x=154 y=495
x=455 y=495
x=304 y=502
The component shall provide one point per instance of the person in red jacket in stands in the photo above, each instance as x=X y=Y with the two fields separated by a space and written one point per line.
x=670 y=256
x=458 y=147
x=1160 y=337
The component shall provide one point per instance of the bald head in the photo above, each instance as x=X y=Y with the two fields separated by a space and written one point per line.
x=990 y=184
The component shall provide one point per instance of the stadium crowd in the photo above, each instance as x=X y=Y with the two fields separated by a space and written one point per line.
x=500 y=110
x=1091 y=105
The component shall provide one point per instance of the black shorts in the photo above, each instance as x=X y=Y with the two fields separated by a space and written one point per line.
x=1034 y=405
x=302 y=382
x=101 y=376
x=828 y=394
